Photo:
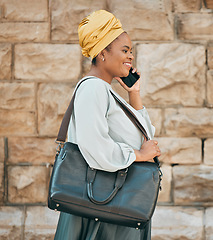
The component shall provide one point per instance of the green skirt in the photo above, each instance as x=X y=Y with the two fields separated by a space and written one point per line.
x=71 y=227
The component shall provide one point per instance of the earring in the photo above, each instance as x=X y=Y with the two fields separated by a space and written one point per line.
x=103 y=59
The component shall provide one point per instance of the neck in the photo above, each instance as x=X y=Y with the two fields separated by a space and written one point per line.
x=100 y=73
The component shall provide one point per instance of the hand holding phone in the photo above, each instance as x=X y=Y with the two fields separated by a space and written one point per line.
x=131 y=79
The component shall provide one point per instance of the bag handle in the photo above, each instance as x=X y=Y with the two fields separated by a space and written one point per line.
x=119 y=182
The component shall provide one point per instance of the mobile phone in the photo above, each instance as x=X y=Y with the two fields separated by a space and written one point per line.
x=131 y=78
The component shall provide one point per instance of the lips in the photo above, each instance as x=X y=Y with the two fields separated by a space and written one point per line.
x=128 y=64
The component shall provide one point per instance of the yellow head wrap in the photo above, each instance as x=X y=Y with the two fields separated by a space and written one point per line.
x=97 y=31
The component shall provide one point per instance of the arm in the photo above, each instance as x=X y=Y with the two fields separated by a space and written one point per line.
x=149 y=149
x=92 y=131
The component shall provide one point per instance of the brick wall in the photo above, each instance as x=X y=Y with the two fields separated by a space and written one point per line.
x=40 y=63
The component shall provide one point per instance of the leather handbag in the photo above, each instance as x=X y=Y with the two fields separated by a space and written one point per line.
x=127 y=197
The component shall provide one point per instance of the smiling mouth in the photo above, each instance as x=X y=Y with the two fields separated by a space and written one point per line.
x=129 y=65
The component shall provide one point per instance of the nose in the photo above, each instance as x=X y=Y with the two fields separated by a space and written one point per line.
x=131 y=56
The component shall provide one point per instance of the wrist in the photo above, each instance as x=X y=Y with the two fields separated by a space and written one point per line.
x=139 y=156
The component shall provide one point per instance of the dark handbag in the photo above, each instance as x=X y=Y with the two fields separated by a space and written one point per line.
x=127 y=197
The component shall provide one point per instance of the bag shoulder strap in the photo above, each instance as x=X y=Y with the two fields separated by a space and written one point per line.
x=66 y=119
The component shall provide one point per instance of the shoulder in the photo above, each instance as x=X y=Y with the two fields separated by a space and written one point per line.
x=94 y=88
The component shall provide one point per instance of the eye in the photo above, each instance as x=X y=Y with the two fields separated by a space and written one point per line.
x=125 y=51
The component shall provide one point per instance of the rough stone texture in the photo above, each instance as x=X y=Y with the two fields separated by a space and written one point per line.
x=11 y=221
x=156 y=119
x=24 y=10
x=5 y=61
x=172 y=223
x=66 y=16
x=22 y=124
x=209 y=223
x=40 y=223
x=40 y=64
x=177 y=79
x=142 y=20
x=193 y=184
x=165 y=193
x=187 y=122
x=56 y=62
x=21 y=32
x=27 y=184
x=17 y=96
x=186 y=5
x=53 y=102
x=31 y=150
x=210 y=88
x=180 y=150
x=210 y=56
x=195 y=26
x=208 y=152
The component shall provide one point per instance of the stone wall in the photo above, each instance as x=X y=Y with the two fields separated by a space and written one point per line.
x=40 y=63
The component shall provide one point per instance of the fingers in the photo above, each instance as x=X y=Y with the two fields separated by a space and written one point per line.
x=156 y=148
x=135 y=70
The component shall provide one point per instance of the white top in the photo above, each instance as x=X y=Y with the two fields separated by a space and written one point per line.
x=105 y=135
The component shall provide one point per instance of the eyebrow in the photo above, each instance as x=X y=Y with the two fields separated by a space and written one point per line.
x=127 y=47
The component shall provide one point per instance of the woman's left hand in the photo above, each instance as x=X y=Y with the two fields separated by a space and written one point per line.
x=134 y=88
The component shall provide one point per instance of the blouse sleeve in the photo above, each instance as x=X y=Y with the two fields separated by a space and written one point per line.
x=97 y=147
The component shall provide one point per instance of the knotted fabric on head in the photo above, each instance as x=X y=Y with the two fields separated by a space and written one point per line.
x=97 y=31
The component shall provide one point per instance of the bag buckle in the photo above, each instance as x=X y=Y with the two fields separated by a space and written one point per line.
x=59 y=147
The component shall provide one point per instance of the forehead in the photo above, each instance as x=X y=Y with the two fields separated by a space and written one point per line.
x=123 y=40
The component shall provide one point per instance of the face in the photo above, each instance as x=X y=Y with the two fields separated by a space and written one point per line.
x=118 y=59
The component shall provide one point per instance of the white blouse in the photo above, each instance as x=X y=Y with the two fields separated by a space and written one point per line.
x=105 y=135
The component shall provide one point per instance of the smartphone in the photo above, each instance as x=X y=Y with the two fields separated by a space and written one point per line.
x=131 y=78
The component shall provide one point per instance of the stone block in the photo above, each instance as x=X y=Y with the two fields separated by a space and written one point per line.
x=193 y=184
x=143 y=19
x=27 y=184
x=24 y=31
x=210 y=88
x=5 y=61
x=40 y=223
x=173 y=74
x=195 y=26
x=24 y=10
x=51 y=62
x=53 y=100
x=17 y=123
x=11 y=223
x=31 y=150
x=210 y=56
x=208 y=152
x=172 y=223
x=188 y=122
x=156 y=119
x=165 y=193
x=186 y=5
x=19 y=96
x=180 y=150
x=209 y=223
x=66 y=16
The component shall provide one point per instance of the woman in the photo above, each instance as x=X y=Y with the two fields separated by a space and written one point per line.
x=105 y=135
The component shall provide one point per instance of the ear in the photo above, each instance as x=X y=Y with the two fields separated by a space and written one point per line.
x=101 y=55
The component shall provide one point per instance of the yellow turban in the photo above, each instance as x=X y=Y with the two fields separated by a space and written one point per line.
x=97 y=31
